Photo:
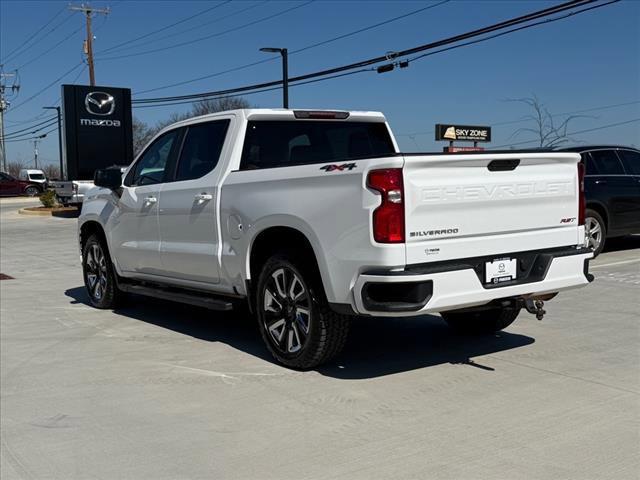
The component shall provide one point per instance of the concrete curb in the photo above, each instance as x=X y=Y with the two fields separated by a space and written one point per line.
x=59 y=213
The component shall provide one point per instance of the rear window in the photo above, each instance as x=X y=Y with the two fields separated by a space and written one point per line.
x=607 y=162
x=631 y=161
x=36 y=176
x=270 y=144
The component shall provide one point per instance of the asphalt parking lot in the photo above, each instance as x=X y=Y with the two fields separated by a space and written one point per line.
x=160 y=390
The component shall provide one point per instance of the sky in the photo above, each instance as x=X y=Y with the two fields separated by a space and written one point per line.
x=586 y=62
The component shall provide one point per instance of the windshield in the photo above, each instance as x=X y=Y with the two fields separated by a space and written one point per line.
x=36 y=176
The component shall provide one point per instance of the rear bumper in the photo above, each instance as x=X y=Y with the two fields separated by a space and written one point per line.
x=458 y=284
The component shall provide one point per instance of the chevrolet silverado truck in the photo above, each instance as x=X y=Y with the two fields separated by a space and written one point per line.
x=312 y=217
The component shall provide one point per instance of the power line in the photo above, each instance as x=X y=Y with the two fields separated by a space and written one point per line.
x=42 y=90
x=521 y=120
x=218 y=34
x=308 y=47
x=31 y=132
x=25 y=42
x=29 y=62
x=35 y=137
x=26 y=46
x=482 y=31
x=29 y=127
x=181 y=102
x=208 y=22
x=601 y=127
x=163 y=29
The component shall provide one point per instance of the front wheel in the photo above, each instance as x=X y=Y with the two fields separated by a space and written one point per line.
x=99 y=274
x=296 y=323
x=481 y=321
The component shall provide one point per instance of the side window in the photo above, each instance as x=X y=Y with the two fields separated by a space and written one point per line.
x=4 y=178
x=151 y=166
x=607 y=162
x=631 y=161
x=201 y=149
x=590 y=166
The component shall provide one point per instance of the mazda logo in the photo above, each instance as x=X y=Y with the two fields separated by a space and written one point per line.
x=99 y=103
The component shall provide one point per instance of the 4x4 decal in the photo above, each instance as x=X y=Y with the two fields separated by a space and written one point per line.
x=333 y=167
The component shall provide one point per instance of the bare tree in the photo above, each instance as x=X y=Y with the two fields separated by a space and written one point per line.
x=13 y=168
x=51 y=171
x=142 y=132
x=549 y=133
x=218 y=105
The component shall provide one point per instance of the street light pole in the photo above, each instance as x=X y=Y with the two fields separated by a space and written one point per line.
x=285 y=72
x=57 y=109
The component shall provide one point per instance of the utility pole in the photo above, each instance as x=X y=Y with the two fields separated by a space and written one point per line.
x=88 y=43
x=4 y=104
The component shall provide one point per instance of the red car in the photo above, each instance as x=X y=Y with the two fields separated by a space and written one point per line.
x=12 y=186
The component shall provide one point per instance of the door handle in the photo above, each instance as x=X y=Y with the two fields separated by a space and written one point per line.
x=150 y=199
x=203 y=197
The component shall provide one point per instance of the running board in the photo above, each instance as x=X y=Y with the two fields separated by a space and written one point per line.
x=199 y=300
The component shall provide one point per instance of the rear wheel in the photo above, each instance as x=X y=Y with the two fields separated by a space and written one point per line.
x=296 y=323
x=596 y=231
x=482 y=320
x=99 y=274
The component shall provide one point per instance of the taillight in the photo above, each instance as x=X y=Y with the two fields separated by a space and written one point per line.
x=388 y=218
x=581 y=204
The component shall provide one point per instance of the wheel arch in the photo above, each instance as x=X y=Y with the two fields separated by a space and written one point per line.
x=279 y=239
x=602 y=210
x=88 y=228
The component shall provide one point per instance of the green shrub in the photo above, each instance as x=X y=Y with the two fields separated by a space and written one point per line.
x=49 y=199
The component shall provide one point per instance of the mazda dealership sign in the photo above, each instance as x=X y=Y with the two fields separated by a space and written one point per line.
x=97 y=129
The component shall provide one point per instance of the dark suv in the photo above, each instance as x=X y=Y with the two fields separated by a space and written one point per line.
x=612 y=192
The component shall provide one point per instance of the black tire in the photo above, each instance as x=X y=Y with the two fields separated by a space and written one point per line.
x=31 y=191
x=297 y=339
x=99 y=274
x=597 y=231
x=481 y=321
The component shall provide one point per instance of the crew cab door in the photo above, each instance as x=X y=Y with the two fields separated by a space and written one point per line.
x=134 y=231
x=189 y=204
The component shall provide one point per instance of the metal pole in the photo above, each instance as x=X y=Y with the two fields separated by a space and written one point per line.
x=285 y=77
x=35 y=152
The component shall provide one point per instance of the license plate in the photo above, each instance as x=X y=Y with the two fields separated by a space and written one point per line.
x=502 y=270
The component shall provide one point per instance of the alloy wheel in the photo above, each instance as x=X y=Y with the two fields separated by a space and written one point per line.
x=96 y=272
x=287 y=311
x=594 y=233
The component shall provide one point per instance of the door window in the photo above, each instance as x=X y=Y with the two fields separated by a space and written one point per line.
x=151 y=166
x=607 y=162
x=201 y=151
x=631 y=161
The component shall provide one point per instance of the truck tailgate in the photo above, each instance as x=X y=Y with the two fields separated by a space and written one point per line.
x=460 y=206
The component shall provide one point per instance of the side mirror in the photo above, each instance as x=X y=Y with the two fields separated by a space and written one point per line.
x=110 y=178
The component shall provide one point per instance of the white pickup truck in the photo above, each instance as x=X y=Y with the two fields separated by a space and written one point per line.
x=311 y=217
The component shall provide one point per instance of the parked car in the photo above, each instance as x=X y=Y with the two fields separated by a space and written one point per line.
x=311 y=217
x=10 y=185
x=33 y=175
x=612 y=192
